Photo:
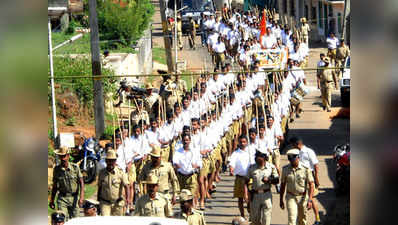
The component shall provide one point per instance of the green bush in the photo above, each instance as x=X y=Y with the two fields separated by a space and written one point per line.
x=82 y=87
x=123 y=25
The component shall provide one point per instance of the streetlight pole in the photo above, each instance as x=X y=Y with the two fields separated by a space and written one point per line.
x=50 y=49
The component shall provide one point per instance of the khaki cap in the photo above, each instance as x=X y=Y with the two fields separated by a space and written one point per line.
x=155 y=151
x=62 y=151
x=326 y=59
x=148 y=86
x=111 y=154
x=186 y=195
x=293 y=151
x=303 y=19
x=151 y=179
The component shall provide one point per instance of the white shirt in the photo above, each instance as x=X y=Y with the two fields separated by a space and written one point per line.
x=268 y=41
x=240 y=162
x=185 y=159
x=332 y=42
x=308 y=158
x=140 y=145
x=219 y=47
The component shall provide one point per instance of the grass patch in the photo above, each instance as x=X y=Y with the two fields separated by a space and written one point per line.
x=159 y=55
x=82 y=45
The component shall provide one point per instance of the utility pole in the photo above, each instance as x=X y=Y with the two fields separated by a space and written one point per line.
x=54 y=110
x=167 y=44
x=99 y=112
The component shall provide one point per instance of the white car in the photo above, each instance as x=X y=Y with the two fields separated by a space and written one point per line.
x=345 y=83
x=125 y=220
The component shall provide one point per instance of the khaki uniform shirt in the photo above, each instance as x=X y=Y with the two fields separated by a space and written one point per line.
x=326 y=77
x=67 y=180
x=296 y=179
x=150 y=100
x=342 y=52
x=196 y=218
x=110 y=184
x=181 y=87
x=165 y=173
x=304 y=29
x=257 y=174
x=136 y=116
x=157 y=207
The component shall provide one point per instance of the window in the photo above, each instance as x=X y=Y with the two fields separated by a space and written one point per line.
x=306 y=11
x=330 y=10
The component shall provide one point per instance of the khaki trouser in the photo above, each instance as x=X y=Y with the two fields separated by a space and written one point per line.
x=326 y=91
x=220 y=59
x=115 y=209
x=261 y=209
x=191 y=39
x=276 y=158
x=68 y=205
x=332 y=55
x=296 y=209
x=339 y=72
x=179 y=37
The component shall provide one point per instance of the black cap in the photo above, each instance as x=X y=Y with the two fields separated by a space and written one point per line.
x=88 y=205
x=58 y=217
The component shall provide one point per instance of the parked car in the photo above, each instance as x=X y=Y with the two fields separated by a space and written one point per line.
x=345 y=84
x=124 y=220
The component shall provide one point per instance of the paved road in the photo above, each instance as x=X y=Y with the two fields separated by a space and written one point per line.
x=314 y=126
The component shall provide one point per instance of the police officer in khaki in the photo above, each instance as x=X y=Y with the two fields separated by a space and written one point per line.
x=263 y=174
x=139 y=114
x=67 y=181
x=164 y=171
x=342 y=52
x=192 y=33
x=153 y=204
x=188 y=213
x=304 y=30
x=111 y=182
x=298 y=182
x=179 y=32
x=326 y=77
x=181 y=86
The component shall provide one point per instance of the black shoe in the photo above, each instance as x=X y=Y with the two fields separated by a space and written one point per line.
x=291 y=120
x=297 y=116
x=323 y=107
x=329 y=110
x=180 y=48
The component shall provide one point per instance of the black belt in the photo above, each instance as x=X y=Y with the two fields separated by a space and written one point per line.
x=186 y=175
x=240 y=176
x=261 y=191
x=68 y=194
x=111 y=202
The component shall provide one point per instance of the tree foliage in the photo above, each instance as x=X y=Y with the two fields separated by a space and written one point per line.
x=82 y=87
x=123 y=22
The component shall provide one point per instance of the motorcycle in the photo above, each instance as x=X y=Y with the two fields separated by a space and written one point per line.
x=88 y=156
x=342 y=158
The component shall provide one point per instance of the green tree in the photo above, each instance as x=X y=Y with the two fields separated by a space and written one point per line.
x=123 y=22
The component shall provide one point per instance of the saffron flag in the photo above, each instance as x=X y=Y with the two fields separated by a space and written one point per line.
x=263 y=26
